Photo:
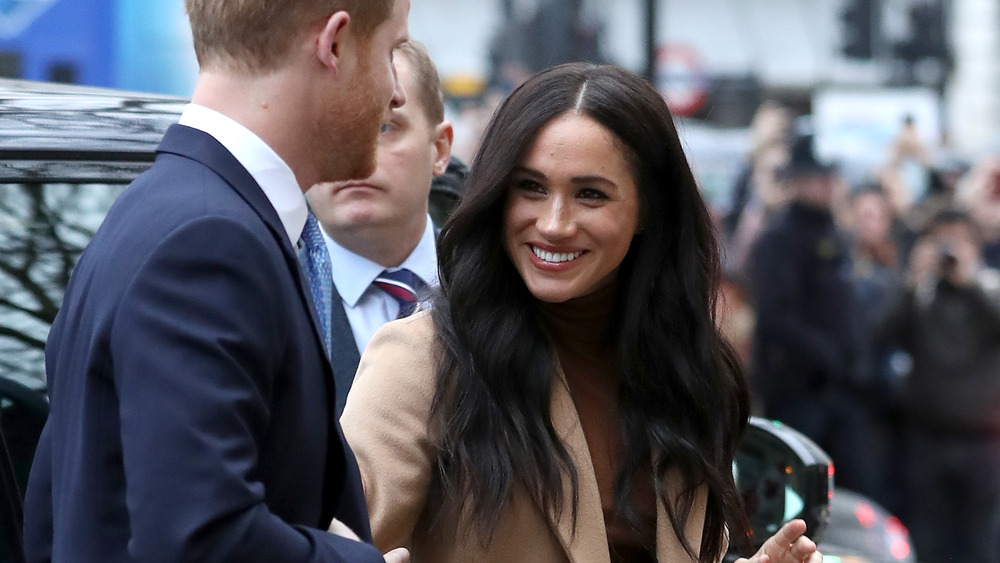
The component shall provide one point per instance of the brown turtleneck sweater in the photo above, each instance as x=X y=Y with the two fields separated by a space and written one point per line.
x=580 y=329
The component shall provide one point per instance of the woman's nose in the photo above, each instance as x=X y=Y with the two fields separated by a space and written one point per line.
x=556 y=220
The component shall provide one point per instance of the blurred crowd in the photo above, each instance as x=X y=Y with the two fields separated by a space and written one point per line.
x=867 y=316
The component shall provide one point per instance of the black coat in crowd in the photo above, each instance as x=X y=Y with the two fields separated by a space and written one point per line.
x=801 y=276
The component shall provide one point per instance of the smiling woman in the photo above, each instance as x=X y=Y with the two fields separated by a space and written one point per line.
x=569 y=396
x=572 y=210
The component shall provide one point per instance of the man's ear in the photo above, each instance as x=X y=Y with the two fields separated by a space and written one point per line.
x=444 y=134
x=330 y=43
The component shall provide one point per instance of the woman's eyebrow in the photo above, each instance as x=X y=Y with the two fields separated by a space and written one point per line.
x=592 y=179
x=584 y=179
x=525 y=171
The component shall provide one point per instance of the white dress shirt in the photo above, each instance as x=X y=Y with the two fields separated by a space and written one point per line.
x=368 y=307
x=275 y=177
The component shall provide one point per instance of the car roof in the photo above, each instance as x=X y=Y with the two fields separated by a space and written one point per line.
x=102 y=134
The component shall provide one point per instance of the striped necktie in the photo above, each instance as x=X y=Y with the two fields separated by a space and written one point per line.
x=403 y=286
x=316 y=260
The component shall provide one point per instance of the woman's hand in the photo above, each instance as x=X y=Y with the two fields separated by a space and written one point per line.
x=398 y=555
x=788 y=545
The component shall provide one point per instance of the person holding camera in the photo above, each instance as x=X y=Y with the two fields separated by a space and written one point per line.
x=948 y=319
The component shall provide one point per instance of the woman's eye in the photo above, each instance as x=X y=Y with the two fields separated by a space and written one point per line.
x=592 y=194
x=528 y=185
x=386 y=127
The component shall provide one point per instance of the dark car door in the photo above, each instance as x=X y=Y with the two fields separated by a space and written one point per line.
x=66 y=153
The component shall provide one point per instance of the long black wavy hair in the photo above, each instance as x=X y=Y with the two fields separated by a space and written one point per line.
x=683 y=398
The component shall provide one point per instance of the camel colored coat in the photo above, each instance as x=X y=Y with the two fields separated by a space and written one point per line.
x=386 y=424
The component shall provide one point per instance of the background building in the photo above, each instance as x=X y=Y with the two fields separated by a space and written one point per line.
x=716 y=59
x=139 y=45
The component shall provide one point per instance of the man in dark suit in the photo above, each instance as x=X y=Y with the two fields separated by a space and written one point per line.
x=379 y=235
x=192 y=402
x=806 y=339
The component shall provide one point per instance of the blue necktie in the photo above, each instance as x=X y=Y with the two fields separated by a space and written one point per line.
x=404 y=286
x=316 y=260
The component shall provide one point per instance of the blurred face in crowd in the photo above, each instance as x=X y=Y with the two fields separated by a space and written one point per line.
x=351 y=126
x=814 y=189
x=960 y=238
x=872 y=218
x=411 y=151
x=950 y=251
x=572 y=210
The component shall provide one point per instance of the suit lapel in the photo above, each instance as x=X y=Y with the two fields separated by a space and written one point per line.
x=588 y=543
x=201 y=147
x=344 y=354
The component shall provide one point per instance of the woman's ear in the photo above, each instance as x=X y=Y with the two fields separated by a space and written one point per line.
x=332 y=41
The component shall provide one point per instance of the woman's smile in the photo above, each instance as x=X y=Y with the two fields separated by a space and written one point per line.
x=555 y=257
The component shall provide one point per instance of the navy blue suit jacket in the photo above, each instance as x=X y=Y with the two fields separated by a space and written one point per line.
x=192 y=402
x=344 y=356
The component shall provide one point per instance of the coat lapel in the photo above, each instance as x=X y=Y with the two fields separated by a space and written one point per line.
x=588 y=543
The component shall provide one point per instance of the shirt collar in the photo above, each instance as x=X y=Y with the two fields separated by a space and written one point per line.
x=274 y=176
x=353 y=274
x=423 y=260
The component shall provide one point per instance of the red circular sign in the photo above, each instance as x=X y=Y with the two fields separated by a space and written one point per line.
x=680 y=78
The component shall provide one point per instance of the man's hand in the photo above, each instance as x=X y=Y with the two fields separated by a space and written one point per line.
x=788 y=545
x=398 y=555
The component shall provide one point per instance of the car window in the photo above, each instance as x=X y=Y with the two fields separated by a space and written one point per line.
x=43 y=230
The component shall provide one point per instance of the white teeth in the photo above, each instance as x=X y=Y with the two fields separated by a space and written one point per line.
x=555 y=257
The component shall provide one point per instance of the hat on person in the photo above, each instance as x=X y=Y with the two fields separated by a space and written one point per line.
x=446 y=190
x=803 y=160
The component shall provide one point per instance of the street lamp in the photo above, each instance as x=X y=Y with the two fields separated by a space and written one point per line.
x=651 y=39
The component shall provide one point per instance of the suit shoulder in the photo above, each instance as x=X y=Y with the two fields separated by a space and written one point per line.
x=186 y=184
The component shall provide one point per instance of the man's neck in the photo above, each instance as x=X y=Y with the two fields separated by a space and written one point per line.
x=384 y=245
x=261 y=104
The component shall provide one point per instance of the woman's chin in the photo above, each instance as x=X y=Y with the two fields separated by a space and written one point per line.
x=552 y=295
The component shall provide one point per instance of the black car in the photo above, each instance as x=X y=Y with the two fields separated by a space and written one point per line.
x=66 y=153
x=782 y=474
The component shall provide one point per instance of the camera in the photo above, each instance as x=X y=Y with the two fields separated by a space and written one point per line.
x=947 y=258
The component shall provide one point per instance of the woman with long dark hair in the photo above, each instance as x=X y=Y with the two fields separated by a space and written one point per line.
x=569 y=396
